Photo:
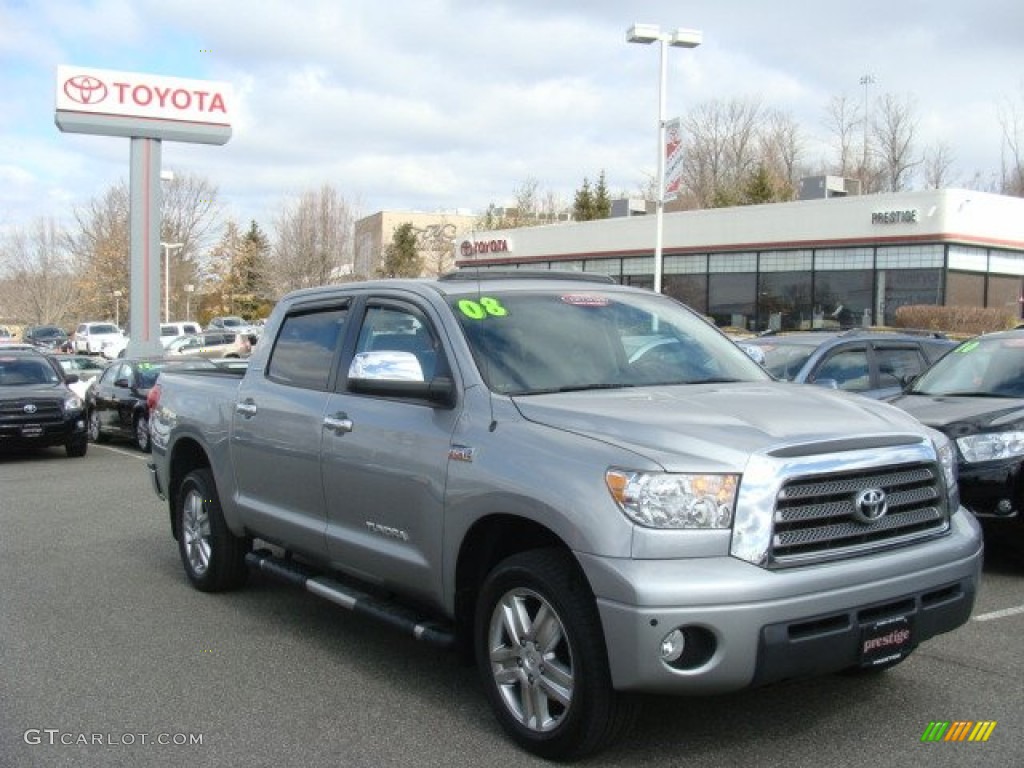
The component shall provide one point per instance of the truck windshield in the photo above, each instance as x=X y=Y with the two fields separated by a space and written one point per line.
x=534 y=342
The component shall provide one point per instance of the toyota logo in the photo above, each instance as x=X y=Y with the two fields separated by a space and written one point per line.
x=870 y=505
x=30 y=408
x=466 y=248
x=85 y=89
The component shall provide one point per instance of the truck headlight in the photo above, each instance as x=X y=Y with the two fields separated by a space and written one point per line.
x=72 y=403
x=991 y=446
x=664 y=500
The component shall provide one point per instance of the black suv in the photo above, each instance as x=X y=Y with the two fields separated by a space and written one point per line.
x=37 y=409
x=877 y=364
x=46 y=336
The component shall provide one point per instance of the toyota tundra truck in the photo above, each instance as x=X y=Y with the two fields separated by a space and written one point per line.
x=584 y=487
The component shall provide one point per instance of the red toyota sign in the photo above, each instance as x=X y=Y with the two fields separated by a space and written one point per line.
x=137 y=95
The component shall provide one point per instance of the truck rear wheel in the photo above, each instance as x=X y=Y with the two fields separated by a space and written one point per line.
x=541 y=656
x=214 y=558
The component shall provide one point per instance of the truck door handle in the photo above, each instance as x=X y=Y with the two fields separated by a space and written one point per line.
x=247 y=409
x=339 y=423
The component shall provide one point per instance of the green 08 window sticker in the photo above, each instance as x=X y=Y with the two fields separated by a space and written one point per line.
x=968 y=347
x=485 y=306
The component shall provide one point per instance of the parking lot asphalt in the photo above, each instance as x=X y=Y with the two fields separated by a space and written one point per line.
x=109 y=658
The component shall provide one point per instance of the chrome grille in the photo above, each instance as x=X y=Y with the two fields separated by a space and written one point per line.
x=815 y=516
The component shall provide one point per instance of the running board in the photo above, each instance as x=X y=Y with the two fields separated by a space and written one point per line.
x=395 y=615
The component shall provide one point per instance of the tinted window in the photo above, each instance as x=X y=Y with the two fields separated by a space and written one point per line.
x=304 y=348
x=896 y=364
x=849 y=369
x=104 y=329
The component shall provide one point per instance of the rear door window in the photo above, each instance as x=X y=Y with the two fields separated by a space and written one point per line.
x=303 y=353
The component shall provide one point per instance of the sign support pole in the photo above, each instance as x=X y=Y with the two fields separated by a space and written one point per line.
x=144 y=315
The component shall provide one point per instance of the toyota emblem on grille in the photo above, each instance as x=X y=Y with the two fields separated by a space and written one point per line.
x=30 y=408
x=870 y=505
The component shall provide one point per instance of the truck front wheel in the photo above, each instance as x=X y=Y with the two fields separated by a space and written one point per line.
x=214 y=558
x=541 y=655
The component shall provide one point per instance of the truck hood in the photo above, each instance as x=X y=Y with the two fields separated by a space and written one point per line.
x=715 y=427
x=959 y=415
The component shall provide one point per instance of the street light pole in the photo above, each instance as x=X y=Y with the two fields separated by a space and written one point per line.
x=188 y=300
x=679 y=38
x=117 y=308
x=167 y=277
x=866 y=81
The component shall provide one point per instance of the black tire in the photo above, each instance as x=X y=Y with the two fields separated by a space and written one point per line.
x=140 y=430
x=550 y=686
x=214 y=558
x=77 y=448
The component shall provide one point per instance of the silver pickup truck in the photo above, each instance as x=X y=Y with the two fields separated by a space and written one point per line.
x=584 y=487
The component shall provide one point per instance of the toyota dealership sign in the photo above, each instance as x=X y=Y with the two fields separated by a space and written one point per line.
x=111 y=103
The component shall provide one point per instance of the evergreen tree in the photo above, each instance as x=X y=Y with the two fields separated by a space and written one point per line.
x=583 y=203
x=602 y=206
x=402 y=257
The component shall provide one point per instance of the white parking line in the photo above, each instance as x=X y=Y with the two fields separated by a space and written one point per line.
x=1000 y=614
x=131 y=454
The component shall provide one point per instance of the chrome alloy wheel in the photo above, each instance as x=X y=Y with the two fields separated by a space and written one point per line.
x=195 y=532
x=531 y=660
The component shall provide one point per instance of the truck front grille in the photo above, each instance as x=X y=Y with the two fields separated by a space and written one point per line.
x=837 y=515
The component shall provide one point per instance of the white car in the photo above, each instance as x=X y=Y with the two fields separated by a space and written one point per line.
x=170 y=331
x=98 y=339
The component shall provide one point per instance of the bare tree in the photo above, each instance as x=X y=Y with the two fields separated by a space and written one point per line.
x=313 y=243
x=894 y=128
x=720 y=150
x=938 y=160
x=189 y=213
x=842 y=119
x=1011 y=121
x=436 y=244
x=782 y=147
x=39 y=276
x=100 y=248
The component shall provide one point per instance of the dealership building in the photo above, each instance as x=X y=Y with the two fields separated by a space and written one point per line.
x=852 y=259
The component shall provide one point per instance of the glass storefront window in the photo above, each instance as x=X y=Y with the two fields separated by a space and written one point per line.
x=904 y=287
x=732 y=298
x=965 y=289
x=841 y=298
x=692 y=290
x=784 y=301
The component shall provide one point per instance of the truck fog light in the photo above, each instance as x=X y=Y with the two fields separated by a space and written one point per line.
x=672 y=646
x=688 y=647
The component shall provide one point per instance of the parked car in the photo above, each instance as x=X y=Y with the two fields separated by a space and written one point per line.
x=170 y=331
x=5 y=334
x=86 y=368
x=98 y=339
x=118 y=406
x=873 y=363
x=211 y=344
x=46 y=336
x=37 y=409
x=975 y=395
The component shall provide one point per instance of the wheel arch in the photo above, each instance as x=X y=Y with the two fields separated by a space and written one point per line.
x=490 y=540
x=186 y=456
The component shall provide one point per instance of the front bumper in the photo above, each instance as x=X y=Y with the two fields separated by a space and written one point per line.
x=44 y=434
x=771 y=625
x=992 y=489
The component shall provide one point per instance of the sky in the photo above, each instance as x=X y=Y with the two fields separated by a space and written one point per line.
x=451 y=105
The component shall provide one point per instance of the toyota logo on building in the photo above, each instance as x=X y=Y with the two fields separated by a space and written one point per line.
x=85 y=89
x=870 y=505
x=466 y=248
x=30 y=408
